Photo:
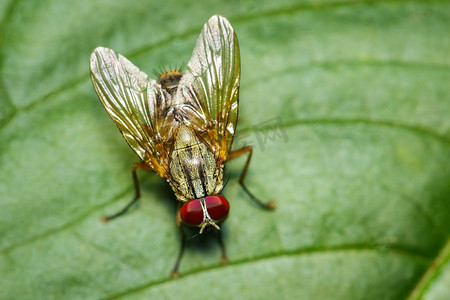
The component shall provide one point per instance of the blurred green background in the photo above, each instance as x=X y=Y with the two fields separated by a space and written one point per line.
x=346 y=103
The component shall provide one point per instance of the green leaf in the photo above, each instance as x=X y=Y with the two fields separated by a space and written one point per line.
x=345 y=102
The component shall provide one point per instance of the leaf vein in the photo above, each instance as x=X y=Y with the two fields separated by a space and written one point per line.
x=298 y=252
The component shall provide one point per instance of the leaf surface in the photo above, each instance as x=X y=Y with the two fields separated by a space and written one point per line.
x=346 y=104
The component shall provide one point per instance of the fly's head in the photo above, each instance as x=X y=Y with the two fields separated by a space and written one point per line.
x=203 y=212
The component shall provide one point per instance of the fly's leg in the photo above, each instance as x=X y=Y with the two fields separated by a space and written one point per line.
x=136 y=166
x=174 y=273
x=237 y=153
x=223 y=258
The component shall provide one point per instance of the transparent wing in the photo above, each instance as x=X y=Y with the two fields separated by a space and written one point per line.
x=209 y=90
x=140 y=108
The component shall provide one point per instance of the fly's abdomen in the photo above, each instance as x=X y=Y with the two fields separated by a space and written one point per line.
x=194 y=170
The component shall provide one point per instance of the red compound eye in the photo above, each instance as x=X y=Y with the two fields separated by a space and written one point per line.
x=217 y=206
x=192 y=213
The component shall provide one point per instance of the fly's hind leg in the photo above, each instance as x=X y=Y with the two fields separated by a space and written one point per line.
x=237 y=153
x=136 y=166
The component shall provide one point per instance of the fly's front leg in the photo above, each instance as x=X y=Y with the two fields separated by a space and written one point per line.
x=174 y=272
x=223 y=257
x=237 y=153
x=136 y=166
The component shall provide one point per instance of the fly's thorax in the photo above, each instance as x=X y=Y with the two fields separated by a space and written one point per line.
x=194 y=170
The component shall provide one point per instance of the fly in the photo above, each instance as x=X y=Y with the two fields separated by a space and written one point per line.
x=181 y=126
